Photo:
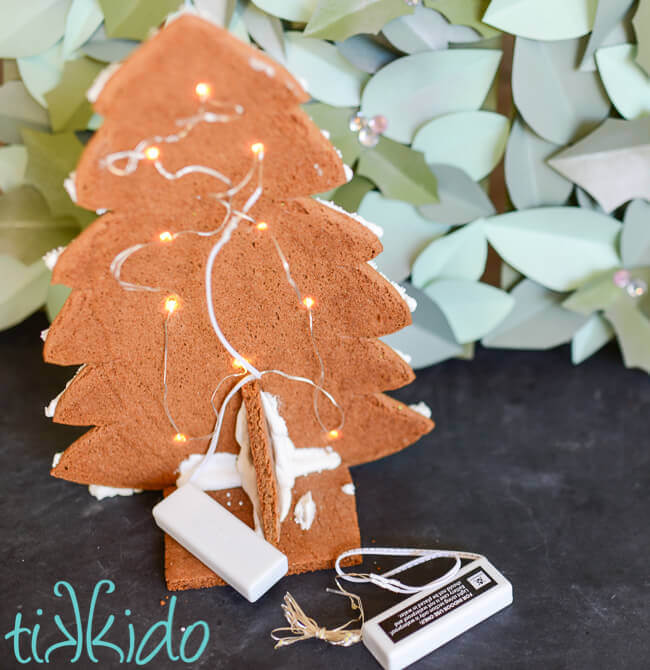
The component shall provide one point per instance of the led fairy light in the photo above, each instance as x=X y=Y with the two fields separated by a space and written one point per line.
x=148 y=149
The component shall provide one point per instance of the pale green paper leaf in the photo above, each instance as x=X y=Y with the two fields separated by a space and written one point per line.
x=27 y=229
x=399 y=172
x=51 y=158
x=635 y=238
x=133 y=19
x=428 y=340
x=324 y=73
x=592 y=336
x=366 y=53
x=426 y=30
x=597 y=293
x=556 y=100
x=641 y=23
x=13 y=162
x=57 y=294
x=459 y=255
x=84 y=17
x=350 y=195
x=406 y=233
x=339 y=19
x=292 y=10
x=266 y=30
x=546 y=20
x=531 y=182
x=632 y=330
x=9 y=70
x=106 y=50
x=22 y=289
x=19 y=110
x=237 y=27
x=67 y=102
x=471 y=308
x=466 y=13
x=336 y=121
x=217 y=11
x=609 y=28
x=537 y=320
x=413 y=89
x=508 y=276
x=612 y=164
x=626 y=83
x=28 y=27
x=586 y=201
x=41 y=73
x=461 y=199
x=559 y=247
x=471 y=141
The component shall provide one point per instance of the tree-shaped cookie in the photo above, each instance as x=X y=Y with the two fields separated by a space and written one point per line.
x=211 y=269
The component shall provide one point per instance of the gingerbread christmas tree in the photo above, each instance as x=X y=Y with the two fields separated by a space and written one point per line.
x=216 y=304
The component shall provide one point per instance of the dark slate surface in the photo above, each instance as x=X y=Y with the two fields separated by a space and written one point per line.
x=542 y=467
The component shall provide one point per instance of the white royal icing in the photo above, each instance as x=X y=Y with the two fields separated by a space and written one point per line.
x=101 y=492
x=261 y=66
x=70 y=187
x=411 y=302
x=56 y=458
x=44 y=334
x=304 y=512
x=348 y=176
x=405 y=357
x=100 y=81
x=348 y=489
x=421 y=408
x=51 y=257
x=246 y=467
x=372 y=227
x=291 y=462
x=219 y=472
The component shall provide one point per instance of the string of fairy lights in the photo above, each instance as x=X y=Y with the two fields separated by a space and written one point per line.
x=124 y=163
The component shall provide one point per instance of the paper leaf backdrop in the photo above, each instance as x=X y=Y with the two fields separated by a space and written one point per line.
x=407 y=91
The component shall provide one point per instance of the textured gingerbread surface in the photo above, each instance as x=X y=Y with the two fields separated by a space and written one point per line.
x=118 y=335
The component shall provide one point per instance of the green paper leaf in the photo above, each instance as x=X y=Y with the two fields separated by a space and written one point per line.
x=428 y=340
x=67 y=102
x=292 y=10
x=612 y=163
x=426 y=30
x=406 y=233
x=57 y=294
x=635 y=238
x=466 y=13
x=597 y=293
x=84 y=17
x=586 y=201
x=22 y=289
x=632 y=330
x=366 y=53
x=106 y=50
x=609 y=29
x=27 y=229
x=547 y=20
x=399 y=172
x=471 y=141
x=51 y=158
x=266 y=30
x=41 y=73
x=350 y=195
x=626 y=83
x=339 y=19
x=336 y=121
x=458 y=255
x=324 y=73
x=471 y=308
x=19 y=110
x=461 y=199
x=641 y=24
x=537 y=320
x=13 y=163
x=133 y=19
x=592 y=336
x=508 y=276
x=217 y=11
x=28 y=27
x=559 y=247
x=413 y=89
x=531 y=182
x=557 y=101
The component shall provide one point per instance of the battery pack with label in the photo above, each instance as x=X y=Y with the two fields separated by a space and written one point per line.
x=417 y=626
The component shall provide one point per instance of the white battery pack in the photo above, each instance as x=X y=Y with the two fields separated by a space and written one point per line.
x=417 y=626
x=240 y=556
